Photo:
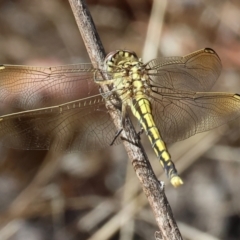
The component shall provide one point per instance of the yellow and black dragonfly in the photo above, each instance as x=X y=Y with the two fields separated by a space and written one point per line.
x=59 y=106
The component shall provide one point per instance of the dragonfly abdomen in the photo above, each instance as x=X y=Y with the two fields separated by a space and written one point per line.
x=141 y=109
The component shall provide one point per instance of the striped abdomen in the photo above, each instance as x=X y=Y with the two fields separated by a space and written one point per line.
x=141 y=109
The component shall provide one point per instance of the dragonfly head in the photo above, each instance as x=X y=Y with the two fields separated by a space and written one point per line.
x=120 y=59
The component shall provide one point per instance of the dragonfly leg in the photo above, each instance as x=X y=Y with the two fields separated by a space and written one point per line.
x=105 y=95
x=140 y=133
x=99 y=78
x=124 y=113
x=116 y=136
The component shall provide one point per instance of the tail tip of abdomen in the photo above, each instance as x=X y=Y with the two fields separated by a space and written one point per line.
x=176 y=181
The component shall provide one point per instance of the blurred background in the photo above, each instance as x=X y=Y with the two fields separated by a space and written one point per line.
x=46 y=195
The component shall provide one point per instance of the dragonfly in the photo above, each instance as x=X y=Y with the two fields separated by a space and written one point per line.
x=62 y=107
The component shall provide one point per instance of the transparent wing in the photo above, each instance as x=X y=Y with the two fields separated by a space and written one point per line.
x=197 y=71
x=25 y=87
x=180 y=115
x=79 y=125
x=64 y=109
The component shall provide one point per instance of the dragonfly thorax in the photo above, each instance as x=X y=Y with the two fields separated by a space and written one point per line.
x=130 y=80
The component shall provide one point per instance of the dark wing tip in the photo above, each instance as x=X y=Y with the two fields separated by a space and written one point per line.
x=210 y=50
x=236 y=95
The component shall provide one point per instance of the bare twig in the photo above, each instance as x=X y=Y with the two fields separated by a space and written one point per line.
x=154 y=31
x=151 y=186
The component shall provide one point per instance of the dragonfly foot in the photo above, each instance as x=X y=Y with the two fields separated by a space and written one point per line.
x=176 y=181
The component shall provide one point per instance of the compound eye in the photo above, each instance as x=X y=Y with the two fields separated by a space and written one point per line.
x=110 y=55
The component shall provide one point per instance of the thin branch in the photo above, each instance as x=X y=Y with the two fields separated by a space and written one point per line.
x=150 y=184
x=88 y=31
x=154 y=30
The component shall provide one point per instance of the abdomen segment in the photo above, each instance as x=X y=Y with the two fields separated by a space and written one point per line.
x=141 y=109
